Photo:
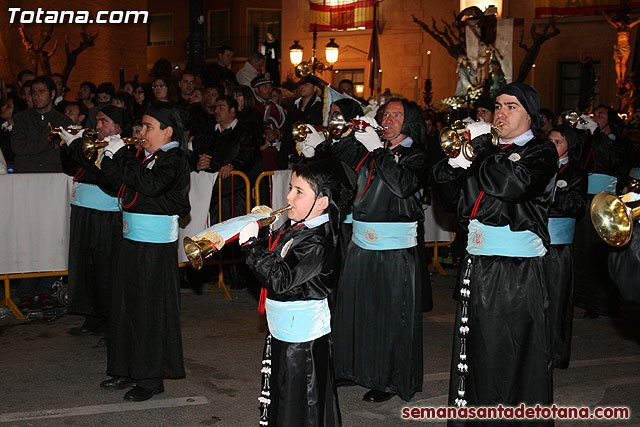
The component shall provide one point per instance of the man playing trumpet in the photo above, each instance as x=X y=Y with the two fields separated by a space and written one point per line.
x=378 y=316
x=96 y=222
x=501 y=352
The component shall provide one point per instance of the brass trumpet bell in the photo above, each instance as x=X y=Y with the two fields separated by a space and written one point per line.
x=208 y=242
x=338 y=125
x=574 y=118
x=197 y=250
x=129 y=140
x=454 y=139
x=612 y=218
x=90 y=145
x=300 y=132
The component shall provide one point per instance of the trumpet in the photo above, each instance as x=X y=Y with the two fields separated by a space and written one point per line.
x=90 y=141
x=338 y=125
x=300 y=131
x=54 y=132
x=574 y=118
x=308 y=68
x=211 y=240
x=612 y=218
x=455 y=139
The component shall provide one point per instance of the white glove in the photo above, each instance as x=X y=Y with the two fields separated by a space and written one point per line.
x=115 y=144
x=369 y=138
x=586 y=122
x=313 y=139
x=459 y=162
x=478 y=128
x=368 y=119
x=468 y=121
x=250 y=230
x=69 y=137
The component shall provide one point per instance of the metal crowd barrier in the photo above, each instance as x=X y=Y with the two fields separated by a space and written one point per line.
x=221 y=261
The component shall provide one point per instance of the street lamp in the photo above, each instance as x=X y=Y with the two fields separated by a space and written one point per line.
x=295 y=53
x=314 y=65
x=331 y=51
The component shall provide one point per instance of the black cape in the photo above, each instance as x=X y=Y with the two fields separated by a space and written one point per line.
x=505 y=354
x=569 y=202
x=379 y=298
x=144 y=338
x=301 y=384
x=94 y=240
x=594 y=290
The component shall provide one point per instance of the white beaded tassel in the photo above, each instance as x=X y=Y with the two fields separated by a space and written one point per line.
x=265 y=392
x=463 y=333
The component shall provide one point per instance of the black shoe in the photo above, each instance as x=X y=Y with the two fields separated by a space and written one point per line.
x=376 y=396
x=341 y=382
x=138 y=394
x=118 y=383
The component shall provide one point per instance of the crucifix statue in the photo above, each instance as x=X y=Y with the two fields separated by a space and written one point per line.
x=622 y=23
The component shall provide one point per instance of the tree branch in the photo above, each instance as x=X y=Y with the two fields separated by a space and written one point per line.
x=88 y=40
x=454 y=44
x=550 y=30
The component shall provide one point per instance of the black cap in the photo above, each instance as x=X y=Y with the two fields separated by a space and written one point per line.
x=120 y=116
x=170 y=115
x=486 y=103
x=527 y=96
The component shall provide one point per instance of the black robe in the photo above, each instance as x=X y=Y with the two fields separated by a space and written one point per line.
x=378 y=316
x=144 y=339
x=568 y=202
x=505 y=355
x=594 y=290
x=302 y=390
x=94 y=240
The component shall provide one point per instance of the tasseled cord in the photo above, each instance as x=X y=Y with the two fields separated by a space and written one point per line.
x=463 y=333
x=265 y=393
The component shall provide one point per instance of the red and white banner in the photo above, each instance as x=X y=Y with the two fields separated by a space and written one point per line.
x=340 y=14
x=547 y=8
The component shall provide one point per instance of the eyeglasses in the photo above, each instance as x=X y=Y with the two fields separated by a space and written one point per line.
x=158 y=86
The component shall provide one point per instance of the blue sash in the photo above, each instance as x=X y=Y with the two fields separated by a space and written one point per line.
x=635 y=173
x=600 y=182
x=561 y=230
x=380 y=236
x=92 y=197
x=298 y=321
x=501 y=241
x=149 y=228
x=348 y=218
